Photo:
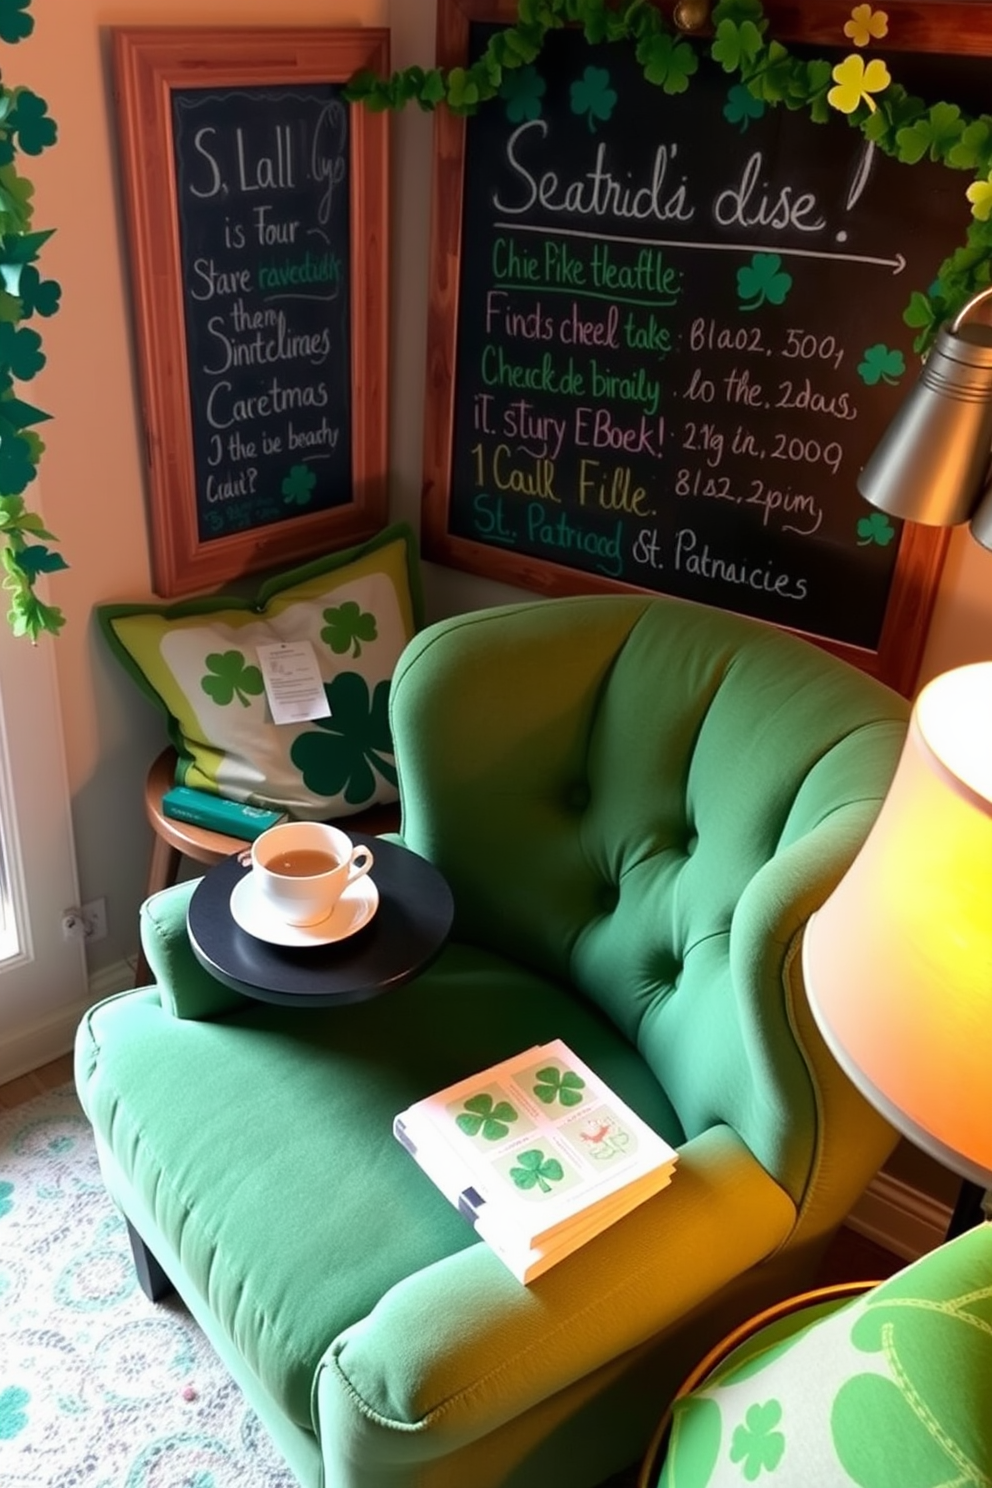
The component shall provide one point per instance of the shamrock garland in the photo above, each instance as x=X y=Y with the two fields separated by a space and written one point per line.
x=26 y=127
x=899 y=124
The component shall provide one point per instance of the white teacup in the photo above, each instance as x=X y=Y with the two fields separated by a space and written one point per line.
x=301 y=869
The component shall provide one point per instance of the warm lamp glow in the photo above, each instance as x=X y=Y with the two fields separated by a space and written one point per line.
x=898 y=962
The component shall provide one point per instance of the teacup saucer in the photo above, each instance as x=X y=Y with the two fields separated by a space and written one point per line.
x=254 y=915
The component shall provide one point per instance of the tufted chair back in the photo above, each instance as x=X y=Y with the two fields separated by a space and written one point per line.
x=645 y=799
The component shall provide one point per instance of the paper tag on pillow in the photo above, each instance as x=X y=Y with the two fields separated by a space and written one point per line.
x=293 y=684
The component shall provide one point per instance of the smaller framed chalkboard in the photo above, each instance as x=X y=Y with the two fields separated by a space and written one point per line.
x=256 y=198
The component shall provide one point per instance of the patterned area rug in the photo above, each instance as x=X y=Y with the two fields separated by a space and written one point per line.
x=100 y=1388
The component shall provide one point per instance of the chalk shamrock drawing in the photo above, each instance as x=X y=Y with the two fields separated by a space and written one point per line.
x=763 y=279
x=522 y=93
x=345 y=752
x=297 y=488
x=593 y=96
x=552 y=1084
x=534 y=1169
x=486 y=1118
x=756 y=1443
x=881 y=363
x=348 y=625
x=866 y=25
x=6 y=1202
x=741 y=107
x=877 y=529
x=231 y=675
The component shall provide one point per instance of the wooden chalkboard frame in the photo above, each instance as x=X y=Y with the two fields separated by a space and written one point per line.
x=946 y=28
x=149 y=63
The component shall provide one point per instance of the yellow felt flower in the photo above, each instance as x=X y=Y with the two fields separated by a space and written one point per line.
x=866 y=25
x=856 y=82
x=979 y=193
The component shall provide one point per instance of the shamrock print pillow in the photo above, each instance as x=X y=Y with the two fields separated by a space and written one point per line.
x=891 y=1390
x=198 y=660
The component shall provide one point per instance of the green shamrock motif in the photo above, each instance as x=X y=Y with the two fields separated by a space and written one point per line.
x=13 y=1417
x=37 y=296
x=972 y=148
x=763 y=279
x=757 y=1444
x=534 y=1170
x=17 y=469
x=875 y=528
x=881 y=363
x=14 y=24
x=937 y=132
x=30 y=119
x=667 y=63
x=522 y=92
x=742 y=107
x=564 y=1086
x=297 y=488
x=347 y=626
x=37 y=559
x=6 y=1202
x=230 y=676
x=342 y=752
x=485 y=1117
x=593 y=96
x=736 y=46
x=20 y=351
x=930 y=1337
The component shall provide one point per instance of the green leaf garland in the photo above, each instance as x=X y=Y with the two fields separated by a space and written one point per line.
x=899 y=124
x=25 y=552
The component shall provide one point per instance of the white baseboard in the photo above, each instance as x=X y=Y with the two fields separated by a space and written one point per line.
x=29 y=1048
x=900 y=1218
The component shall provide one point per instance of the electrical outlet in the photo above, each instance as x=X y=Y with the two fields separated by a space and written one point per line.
x=94 y=916
x=89 y=922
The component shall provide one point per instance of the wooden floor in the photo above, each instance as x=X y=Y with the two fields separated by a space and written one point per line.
x=26 y=1087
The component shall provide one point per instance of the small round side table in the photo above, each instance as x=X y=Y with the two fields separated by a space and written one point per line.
x=174 y=840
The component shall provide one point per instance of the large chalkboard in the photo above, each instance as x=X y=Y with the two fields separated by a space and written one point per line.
x=257 y=217
x=666 y=334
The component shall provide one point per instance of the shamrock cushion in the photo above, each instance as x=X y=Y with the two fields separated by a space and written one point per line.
x=197 y=659
x=891 y=1390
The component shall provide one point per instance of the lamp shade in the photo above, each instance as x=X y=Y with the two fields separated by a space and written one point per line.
x=898 y=961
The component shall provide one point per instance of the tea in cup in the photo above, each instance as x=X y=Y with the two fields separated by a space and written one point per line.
x=301 y=869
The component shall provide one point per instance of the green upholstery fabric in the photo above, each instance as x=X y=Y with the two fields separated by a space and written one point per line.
x=637 y=803
x=891 y=1390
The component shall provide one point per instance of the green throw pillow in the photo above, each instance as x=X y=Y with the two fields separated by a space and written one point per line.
x=197 y=660
x=891 y=1390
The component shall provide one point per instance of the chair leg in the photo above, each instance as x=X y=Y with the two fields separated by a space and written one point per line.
x=151 y=1278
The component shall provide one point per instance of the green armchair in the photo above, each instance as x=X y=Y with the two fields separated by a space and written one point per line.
x=637 y=802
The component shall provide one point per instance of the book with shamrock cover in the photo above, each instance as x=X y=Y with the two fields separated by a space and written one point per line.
x=537 y=1153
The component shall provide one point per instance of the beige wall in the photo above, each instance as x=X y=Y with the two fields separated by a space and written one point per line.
x=92 y=480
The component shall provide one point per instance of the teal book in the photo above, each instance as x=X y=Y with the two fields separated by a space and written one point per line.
x=204 y=809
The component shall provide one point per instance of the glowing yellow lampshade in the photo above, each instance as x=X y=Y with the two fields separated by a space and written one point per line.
x=898 y=962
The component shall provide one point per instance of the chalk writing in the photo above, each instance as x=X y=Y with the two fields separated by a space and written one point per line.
x=264 y=227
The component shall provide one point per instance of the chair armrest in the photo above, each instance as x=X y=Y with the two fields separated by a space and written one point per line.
x=185 y=988
x=453 y=1352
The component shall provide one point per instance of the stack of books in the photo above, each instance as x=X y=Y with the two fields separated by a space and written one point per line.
x=537 y=1154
